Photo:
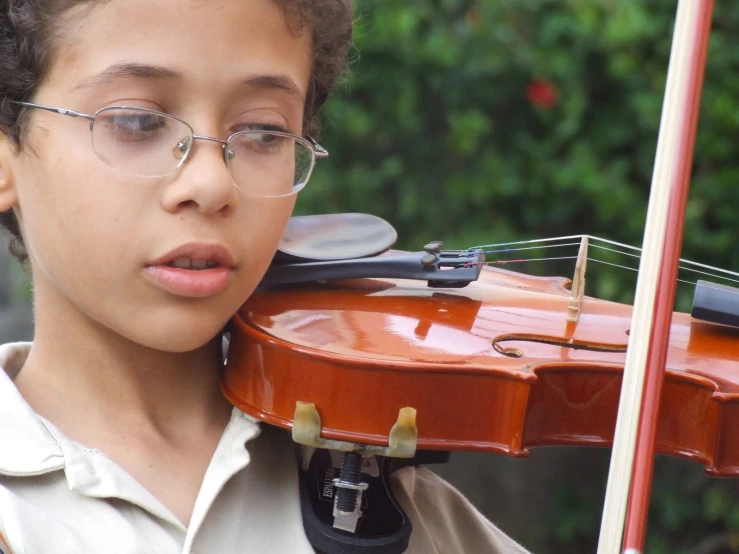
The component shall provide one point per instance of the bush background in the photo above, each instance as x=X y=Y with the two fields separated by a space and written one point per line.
x=437 y=131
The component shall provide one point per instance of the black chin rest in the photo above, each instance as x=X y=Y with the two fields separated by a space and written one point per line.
x=384 y=527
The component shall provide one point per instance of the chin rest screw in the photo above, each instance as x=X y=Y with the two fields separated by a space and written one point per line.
x=348 y=498
x=351 y=467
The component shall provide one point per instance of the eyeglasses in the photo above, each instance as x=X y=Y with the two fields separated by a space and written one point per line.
x=147 y=143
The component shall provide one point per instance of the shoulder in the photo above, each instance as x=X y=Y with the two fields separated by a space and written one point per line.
x=443 y=519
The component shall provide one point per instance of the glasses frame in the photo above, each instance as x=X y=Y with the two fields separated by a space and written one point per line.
x=319 y=152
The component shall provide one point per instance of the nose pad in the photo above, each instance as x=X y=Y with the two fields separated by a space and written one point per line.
x=228 y=154
x=183 y=148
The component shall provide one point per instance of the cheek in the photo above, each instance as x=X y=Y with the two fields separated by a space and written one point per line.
x=265 y=221
x=73 y=216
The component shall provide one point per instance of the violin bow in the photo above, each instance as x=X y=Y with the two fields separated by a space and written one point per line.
x=632 y=458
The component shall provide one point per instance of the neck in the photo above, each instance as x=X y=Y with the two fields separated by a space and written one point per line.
x=84 y=377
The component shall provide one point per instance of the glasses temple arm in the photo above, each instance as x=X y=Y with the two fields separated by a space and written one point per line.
x=61 y=111
x=320 y=151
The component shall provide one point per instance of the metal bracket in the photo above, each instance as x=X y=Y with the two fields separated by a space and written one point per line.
x=402 y=438
x=347 y=520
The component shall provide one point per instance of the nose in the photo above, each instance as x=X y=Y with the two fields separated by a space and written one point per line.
x=203 y=179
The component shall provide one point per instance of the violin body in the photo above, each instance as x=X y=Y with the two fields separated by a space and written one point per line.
x=495 y=366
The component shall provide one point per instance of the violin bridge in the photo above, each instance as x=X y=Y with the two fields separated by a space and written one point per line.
x=578 y=283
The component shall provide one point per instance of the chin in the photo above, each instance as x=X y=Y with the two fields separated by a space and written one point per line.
x=178 y=337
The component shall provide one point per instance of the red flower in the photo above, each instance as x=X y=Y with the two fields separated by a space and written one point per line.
x=542 y=94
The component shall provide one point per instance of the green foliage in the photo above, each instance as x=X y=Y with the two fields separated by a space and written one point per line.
x=687 y=509
x=436 y=132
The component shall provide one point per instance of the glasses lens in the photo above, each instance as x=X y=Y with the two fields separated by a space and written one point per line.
x=269 y=163
x=140 y=142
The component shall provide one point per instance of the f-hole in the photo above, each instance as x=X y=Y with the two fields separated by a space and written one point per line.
x=554 y=341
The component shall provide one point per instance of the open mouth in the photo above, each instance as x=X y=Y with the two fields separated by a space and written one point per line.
x=188 y=263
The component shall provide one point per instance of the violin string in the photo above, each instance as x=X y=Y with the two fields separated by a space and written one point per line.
x=709 y=274
x=530 y=248
x=616 y=251
x=592 y=238
x=636 y=270
x=683 y=263
x=681 y=267
x=504 y=262
x=509 y=248
x=531 y=241
x=553 y=239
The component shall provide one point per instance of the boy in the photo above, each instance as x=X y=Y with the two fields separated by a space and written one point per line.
x=143 y=174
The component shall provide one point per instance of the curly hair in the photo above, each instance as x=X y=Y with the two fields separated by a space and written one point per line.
x=28 y=30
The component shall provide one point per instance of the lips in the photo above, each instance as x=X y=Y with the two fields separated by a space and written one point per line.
x=209 y=270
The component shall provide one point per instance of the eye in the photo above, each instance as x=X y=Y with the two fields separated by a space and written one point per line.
x=124 y=125
x=259 y=142
x=260 y=139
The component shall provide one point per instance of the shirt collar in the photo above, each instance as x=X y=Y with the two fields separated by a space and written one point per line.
x=28 y=446
x=38 y=447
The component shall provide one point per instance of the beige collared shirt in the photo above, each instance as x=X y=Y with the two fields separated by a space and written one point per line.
x=56 y=496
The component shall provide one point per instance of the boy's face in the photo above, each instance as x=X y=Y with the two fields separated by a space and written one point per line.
x=90 y=230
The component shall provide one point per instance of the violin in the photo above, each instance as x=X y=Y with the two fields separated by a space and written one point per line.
x=387 y=353
x=497 y=366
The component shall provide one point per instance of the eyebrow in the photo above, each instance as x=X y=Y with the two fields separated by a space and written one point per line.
x=128 y=71
x=158 y=73
x=275 y=82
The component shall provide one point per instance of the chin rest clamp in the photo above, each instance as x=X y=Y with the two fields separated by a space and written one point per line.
x=346 y=499
x=381 y=525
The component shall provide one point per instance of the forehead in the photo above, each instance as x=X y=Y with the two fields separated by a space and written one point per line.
x=210 y=43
